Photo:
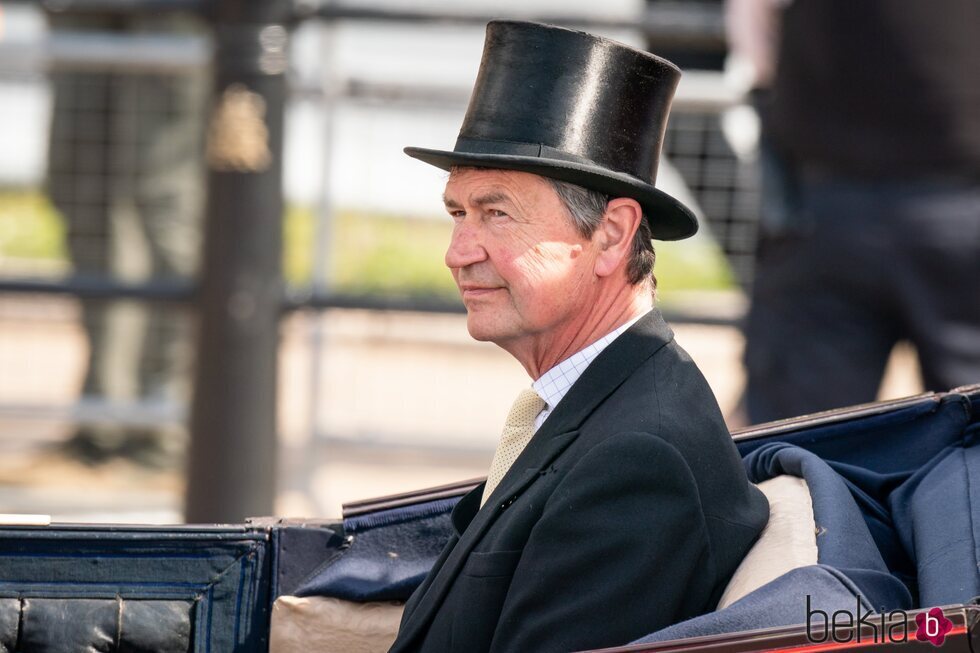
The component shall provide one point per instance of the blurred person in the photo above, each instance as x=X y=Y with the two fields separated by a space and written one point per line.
x=752 y=28
x=125 y=170
x=616 y=503
x=875 y=118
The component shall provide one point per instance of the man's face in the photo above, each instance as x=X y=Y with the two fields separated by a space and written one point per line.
x=524 y=271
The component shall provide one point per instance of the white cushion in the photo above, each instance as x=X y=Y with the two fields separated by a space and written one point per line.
x=788 y=541
x=328 y=625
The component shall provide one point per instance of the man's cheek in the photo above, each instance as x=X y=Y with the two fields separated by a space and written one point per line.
x=530 y=274
x=544 y=263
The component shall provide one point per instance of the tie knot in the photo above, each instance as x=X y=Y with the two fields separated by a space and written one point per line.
x=526 y=407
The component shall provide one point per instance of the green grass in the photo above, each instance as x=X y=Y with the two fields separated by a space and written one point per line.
x=30 y=228
x=370 y=253
x=692 y=265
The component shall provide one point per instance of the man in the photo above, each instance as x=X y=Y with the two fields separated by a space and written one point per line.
x=126 y=171
x=628 y=509
x=876 y=234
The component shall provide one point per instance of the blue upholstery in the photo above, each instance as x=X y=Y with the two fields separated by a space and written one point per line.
x=973 y=394
x=850 y=570
x=875 y=454
x=856 y=510
x=389 y=555
x=767 y=607
x=938 y=508
x=844 y=540
x=897 y=441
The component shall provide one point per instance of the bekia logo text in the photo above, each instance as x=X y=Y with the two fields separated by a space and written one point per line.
x=843 y=626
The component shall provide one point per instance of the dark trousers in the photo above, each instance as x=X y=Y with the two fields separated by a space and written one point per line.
x=126 y=172
x=858 y=267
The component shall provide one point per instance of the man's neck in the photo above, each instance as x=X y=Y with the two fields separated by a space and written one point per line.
x=540 y=354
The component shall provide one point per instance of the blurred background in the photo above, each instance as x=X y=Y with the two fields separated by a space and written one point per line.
x=118 y=161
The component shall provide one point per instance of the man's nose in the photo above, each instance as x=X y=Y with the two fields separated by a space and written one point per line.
x=465 y=248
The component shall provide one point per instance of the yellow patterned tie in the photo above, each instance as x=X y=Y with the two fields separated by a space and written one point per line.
x=517 y=433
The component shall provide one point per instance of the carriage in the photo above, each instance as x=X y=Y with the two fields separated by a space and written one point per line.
x=873 y=541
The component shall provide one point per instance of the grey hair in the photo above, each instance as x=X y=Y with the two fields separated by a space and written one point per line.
x=587 y=207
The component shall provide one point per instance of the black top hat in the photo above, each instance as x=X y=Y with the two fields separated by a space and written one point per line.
x=564 y=104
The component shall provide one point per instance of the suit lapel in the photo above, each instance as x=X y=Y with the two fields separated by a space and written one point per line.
x=443 y=578
x=606 y=373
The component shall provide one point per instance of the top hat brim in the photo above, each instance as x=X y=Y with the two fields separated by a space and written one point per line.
x=667 y=217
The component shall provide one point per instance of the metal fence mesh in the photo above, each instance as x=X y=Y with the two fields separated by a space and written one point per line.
x=725 y=186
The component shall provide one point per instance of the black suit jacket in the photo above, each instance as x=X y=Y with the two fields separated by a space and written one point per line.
x=628 y=511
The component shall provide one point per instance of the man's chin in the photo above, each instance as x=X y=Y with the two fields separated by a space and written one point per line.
x=481 y=328
x=479 y=332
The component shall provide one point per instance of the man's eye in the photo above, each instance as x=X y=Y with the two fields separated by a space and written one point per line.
x=497 y=213
x=457 y=214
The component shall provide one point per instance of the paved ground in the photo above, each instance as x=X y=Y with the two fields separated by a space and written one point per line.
x=400 y=402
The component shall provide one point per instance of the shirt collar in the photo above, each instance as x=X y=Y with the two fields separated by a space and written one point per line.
x=554 y=384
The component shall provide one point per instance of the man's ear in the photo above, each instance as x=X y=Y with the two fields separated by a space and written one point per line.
x=615 y=235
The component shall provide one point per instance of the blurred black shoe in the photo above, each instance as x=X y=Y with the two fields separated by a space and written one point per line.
x=158 y=449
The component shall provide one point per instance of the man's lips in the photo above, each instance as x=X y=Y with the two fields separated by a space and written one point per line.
x=473 y=292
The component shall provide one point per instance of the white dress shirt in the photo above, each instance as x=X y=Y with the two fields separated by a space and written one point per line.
x=554 y=384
